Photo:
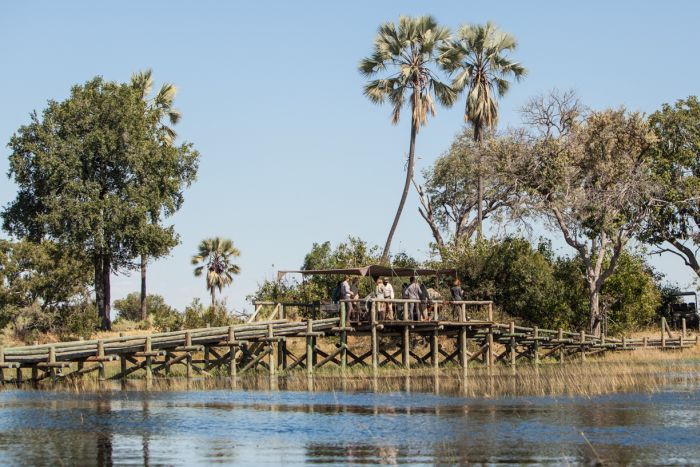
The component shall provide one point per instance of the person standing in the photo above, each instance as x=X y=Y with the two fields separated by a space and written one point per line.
x=457 y=295
x=389 y=295
x=379 y=296
x=346 y=294
x=414 y=293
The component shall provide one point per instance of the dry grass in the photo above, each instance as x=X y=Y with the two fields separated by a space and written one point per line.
x=628 y=373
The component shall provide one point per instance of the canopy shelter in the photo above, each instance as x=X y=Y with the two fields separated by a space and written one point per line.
x=373 y=270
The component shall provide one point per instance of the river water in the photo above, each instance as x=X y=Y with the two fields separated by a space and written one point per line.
x=228 y=425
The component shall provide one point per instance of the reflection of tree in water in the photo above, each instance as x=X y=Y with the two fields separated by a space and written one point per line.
x=324 y=453
x=103 y=432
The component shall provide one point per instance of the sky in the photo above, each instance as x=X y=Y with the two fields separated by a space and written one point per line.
x=292 y=152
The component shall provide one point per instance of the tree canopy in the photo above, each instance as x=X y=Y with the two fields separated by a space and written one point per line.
x=89 y=169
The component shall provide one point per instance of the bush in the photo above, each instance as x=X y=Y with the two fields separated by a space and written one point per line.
x=129 y=307
x=196 y=315
x=533 y=284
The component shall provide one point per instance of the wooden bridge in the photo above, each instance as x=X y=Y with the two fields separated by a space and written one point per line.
x=281 y=337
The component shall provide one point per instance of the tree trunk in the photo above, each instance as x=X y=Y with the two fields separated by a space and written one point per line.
x=594 y=310
x=407 y=186
x=107 y=292
x=144 y=309
x=213 y=296
x=99 y=288
x=480 y=186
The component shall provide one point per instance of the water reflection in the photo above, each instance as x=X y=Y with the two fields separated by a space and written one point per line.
x=381 y=420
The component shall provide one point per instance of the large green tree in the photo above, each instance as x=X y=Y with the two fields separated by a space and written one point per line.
x=89 y=172
x=589 y=178
x=407 y=56
x=215 y=257
x=675 y=225
x=479 y=59
x=161 y=109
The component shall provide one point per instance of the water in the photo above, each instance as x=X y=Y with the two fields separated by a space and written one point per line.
x=250 y=427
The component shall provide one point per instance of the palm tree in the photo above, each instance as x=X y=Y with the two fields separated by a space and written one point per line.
x=215 y=255
x=408 y=55
x=161 y=105
x=478 y=57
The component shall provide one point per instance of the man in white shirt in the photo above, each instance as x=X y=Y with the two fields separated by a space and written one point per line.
x=389 y=295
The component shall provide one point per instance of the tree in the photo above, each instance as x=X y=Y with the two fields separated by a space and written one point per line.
x=590 y=178
x=675 y=225
x=478 y=57
x=215 y=256
x=161 y=108
x=408 y=53
x=449 y=198
x=89 y=170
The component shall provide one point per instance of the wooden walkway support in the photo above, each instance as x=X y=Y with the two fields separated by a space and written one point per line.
x=452 y=333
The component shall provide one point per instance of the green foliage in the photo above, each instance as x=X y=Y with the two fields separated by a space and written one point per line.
x=41 y=285
x=66 y=321
x=632 y=295
x=676 y=221
x=216 y=256
x=354 y=252
x=539 y=288
x=479 y=58
x=408 y=53
x=41 y=272
x=129 y=307
x=196 y=315
x=95 y=176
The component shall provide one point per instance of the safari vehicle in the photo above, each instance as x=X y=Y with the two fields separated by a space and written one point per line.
x=684 y=308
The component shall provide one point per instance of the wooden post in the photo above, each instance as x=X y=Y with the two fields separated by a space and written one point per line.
x=434 y=354
x=560 y=338
x=511 y=330
x=282 y=345
x=536 y=346
x=206 y=351
x=2 y=362
x=435 y=312
x=406 y=339
x=583 y=348
x=52 y=360
x=122 y=361
x=272 y=357
x=188 y=360
x=491 y=311
x=375 y=341
x=624 y=343
x=101 y=354
x=645 y=342
x=309 y=347
x=343 y=338
x=463 y=358
x=490 y=351
x=232 y=367
x=149 y=359
x=663 y=332
x=18 y=379
x=683 y=330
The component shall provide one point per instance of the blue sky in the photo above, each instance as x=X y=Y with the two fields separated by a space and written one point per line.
x=292 y=153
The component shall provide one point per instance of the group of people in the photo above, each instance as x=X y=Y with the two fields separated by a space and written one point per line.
x=383 y=291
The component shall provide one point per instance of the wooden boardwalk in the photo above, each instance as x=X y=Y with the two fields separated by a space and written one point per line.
x=448 y=333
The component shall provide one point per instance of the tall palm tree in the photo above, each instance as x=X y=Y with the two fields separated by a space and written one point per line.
x=215 y=256
x=161 y=105
x=407 y=53
x=479 y=58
